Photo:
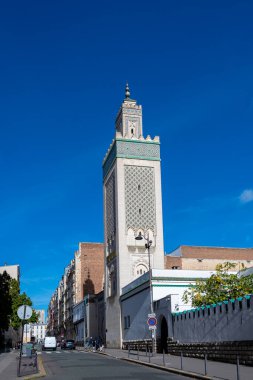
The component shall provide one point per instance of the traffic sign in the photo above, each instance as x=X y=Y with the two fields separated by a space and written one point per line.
x=152 y=327
x=152 y=321
x=24 y=312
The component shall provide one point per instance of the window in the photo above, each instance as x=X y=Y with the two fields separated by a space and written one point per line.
x=140 y=269
x=127 y=322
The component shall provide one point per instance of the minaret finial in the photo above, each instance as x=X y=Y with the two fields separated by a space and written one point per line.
x=127 y=91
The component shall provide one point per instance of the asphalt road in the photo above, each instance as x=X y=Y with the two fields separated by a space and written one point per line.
x=74 y=365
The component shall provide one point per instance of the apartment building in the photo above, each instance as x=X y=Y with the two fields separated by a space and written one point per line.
x=207 y=258
x=83 y=276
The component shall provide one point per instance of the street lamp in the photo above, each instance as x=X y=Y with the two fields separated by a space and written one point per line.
x=147 y=246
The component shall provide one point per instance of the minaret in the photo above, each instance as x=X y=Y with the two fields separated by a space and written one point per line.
x=132 y=205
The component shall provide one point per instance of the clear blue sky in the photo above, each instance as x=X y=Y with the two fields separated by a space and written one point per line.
x=63 y=69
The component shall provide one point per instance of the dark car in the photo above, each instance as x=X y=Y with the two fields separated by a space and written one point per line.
x=68 y=345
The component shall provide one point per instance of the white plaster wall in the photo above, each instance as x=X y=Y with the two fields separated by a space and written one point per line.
x=138 y=308
x=112 y=308
x=12 y=270
x=126 y=257
x=113 y=322
x=227 y=324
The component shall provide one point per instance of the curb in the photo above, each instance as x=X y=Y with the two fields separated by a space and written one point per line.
x=166 y=369
x=41 y=373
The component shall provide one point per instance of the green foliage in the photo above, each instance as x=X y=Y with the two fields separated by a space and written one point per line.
x=5 y=301
x=10 y=300
x=34 y=318
x=221 y=286
x=19 y=300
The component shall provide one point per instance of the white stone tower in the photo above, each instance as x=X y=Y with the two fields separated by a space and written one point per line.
x=132 y=205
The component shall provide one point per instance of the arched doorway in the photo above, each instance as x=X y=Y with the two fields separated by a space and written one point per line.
x=164 y=335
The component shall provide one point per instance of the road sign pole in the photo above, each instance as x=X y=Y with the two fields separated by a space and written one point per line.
x=21 y=346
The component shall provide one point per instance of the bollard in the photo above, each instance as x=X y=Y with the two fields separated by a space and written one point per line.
x=149 y=355
x=146 y=349
x=163 y=359
x=181 y=360
x=205 y=364
x=237 y=367
x=138 y=352
x=128 y=352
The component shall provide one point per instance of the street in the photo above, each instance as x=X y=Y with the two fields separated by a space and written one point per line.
x=75 y=365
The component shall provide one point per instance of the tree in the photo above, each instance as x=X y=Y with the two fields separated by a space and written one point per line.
x=5 y=301
x=221 y=286
x=19 y=300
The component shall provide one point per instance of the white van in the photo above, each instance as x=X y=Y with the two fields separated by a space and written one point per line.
x=49 y=343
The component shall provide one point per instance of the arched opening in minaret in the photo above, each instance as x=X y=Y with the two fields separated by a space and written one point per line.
x=140 y=269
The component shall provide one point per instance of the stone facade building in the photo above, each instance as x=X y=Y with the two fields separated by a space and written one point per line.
x=70 y=300
x=83 y=276
x=206 y=258
x=41 y=314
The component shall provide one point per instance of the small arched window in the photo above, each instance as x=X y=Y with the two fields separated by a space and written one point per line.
x=140 y=269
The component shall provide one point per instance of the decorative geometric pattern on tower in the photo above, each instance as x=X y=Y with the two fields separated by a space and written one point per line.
x=143 y=150
x=110 y=208
x=140 y=198
x=132 y=111
x=122 y=148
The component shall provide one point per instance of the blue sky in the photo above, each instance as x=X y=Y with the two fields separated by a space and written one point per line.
x=63 y=69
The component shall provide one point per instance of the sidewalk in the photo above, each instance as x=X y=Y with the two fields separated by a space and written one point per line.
x=216 y=370
x=8 y=365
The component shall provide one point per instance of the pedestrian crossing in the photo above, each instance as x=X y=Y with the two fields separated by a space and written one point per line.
x=62 y=352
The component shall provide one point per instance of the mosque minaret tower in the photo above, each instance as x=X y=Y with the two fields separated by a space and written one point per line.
x=132 y=205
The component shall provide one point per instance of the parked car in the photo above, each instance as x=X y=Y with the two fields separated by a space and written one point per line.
x=69 y=344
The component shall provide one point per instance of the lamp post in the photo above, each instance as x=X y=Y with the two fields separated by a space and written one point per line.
x=147 y=246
